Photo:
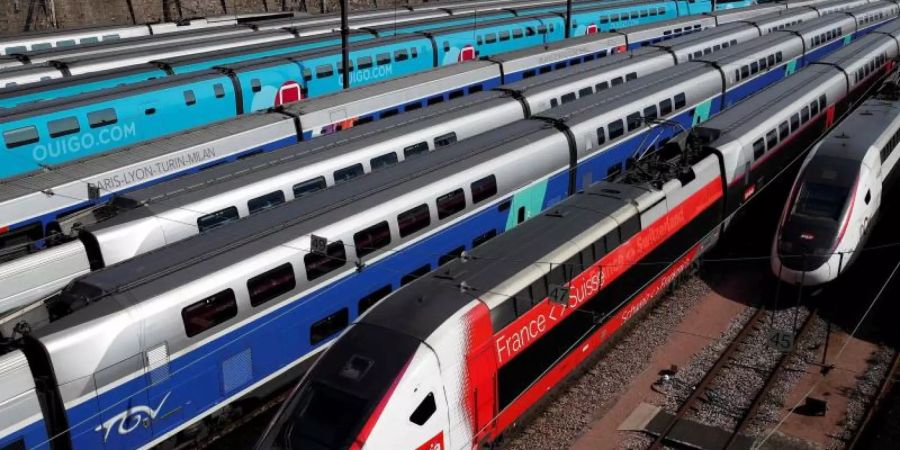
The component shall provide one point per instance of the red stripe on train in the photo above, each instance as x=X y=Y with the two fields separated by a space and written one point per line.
x=578 y=355
x=520 y=334
x=373 y=419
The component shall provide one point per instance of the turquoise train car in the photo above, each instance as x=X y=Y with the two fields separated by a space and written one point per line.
x=42 y=134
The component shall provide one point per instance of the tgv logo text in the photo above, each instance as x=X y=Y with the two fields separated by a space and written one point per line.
x=130 y=419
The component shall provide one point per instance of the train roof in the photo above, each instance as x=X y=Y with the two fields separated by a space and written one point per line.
x=93 y=165
x=628 y=93
x=77 y=80
x=27 y=110
x=160 y=270
x=875 y=121
x=193 y=187
x=366 y=99
x=753 y=112
x=66 y=32
x=421 y=307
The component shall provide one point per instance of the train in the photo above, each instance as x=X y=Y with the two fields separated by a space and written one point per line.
x=189 y=202
x=183 y=332
x=32 y=216
x=46 y=133
x=458 y=357
x=837 y=197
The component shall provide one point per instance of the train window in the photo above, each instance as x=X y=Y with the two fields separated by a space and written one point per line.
x=435 y=100
x=386 y=160
x=484 y=238
x=370 y=300
x=329 y=326
x=484 y=189
x=771 y=139
x=629 y=228
x=324 y=71
x=616 y=129
x=476 y=88
x=604 y=19
x=446 y=46
x=601 y=136
x=602 y=86
x=529 y=31
x=542 y=29
x=271 y=284
x=665 y=107
x=65 y=43
x=401 y=55
x=383 y=58
x=111 y=37
x=634 y=14
x=318 y=265
x=804 y=114
x=309 y=186
x=189 y=98
x=585 y=92
x=372 y=238
x=634 y=121
x=650 y=113
x=307 y=74
x=814 y=107
x=599 y=248
x=529 y=73
x=445 y=139
x=415 y=149
x=644 y=13
x=707 y=51
x=415 y=275
x=490 y=38
x=90 y=40
x=795 y=123
x=209 y=312
x=538 y=290
x=16 y=49
x=219 y=90
x=504 y=35
x=631 y=76
x=456 y=94
x=517 y=33
x=783 y=131
x=823 y=102
x=217 y=218
x=745 y=72
x=41 y=46
x=414 y=52
x=364 y=62
x=451 y=203
x=63 y=127
x=451 y=255
x=661 y=10
x=554 y=103
x=264 y=202
x=754 y=68
x=717 y=47
x=390 y=113
x=348 y=173
x=545 y=69
x=698 y=54
x=759 y=147
x=18 y=444
x=413 y=220
x=779 y=57
x=20 y=136
x=680 y=101
x=617 y=81
x=570 y=97
x=255 y=85
x=771 y=60
x=102 y=118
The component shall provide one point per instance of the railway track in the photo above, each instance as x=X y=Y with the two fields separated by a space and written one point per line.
x=730 y=358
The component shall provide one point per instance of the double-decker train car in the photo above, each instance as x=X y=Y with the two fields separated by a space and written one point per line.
x=456 y=358
x=268 y=82
x=837 y=197
x=106 y=241
x=179 y=333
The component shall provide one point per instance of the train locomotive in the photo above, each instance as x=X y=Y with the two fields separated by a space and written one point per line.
x=837 y=196
x=456 y=358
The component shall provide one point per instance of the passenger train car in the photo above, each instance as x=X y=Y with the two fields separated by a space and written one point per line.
x=104 y=244
x=837 y=196
x=154 y=108
x=455 y=359
x=535 y=95
x=174 y=335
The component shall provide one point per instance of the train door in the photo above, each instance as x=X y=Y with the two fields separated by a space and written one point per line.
x=467 y=53
x=483 y=391
x=289 y=92
x=126 y=413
